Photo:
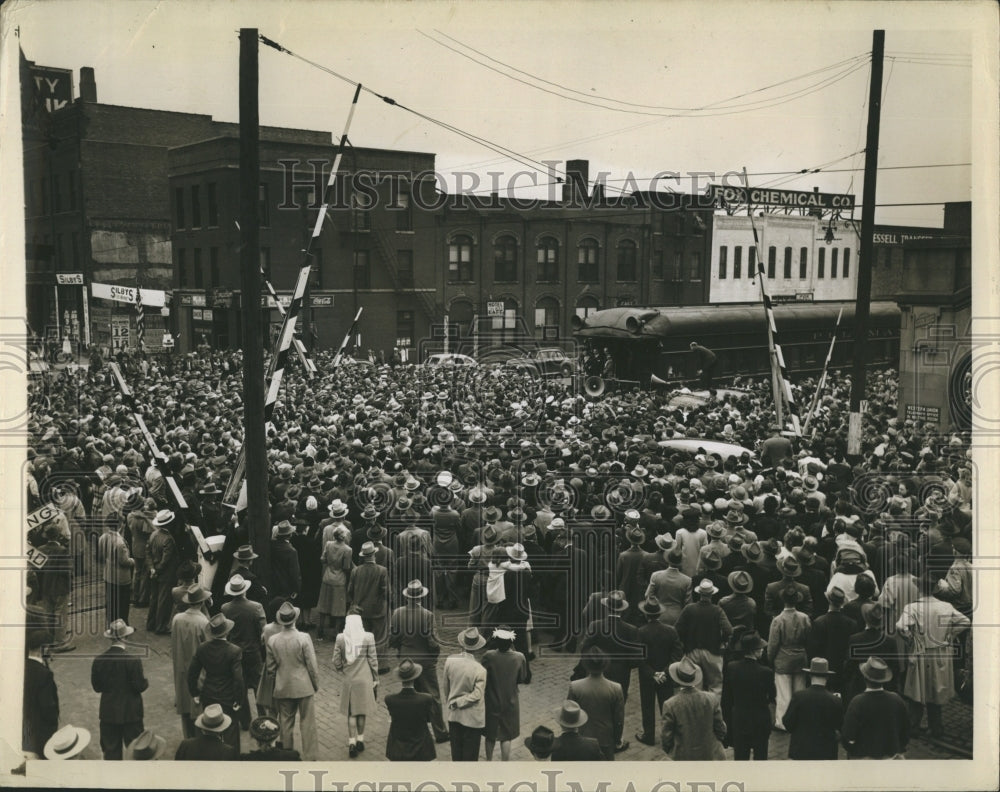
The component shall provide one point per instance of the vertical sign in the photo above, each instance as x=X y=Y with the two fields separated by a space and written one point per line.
x=120 y=333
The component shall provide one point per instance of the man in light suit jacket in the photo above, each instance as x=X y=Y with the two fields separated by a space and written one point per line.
x=693 y=726
x=118 y=677
x=292 y=660
x=671 y=588
x=603 y=701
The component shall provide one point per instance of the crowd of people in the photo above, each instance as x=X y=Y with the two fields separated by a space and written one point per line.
x=775 y=584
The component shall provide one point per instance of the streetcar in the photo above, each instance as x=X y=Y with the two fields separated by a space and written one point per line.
x=652 y=344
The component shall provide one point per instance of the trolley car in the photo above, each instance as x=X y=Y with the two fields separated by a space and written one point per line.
x=647 y=343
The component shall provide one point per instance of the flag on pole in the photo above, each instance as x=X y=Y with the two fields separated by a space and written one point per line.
x=140 y=318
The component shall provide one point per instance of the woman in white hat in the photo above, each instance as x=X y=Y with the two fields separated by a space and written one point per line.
x=337 y=566
x=354 y=656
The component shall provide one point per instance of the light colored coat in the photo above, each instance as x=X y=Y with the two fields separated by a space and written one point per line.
x=188 y=631
x=693 y=726
x=292 y=660
x=928 y=626
x=672 y=589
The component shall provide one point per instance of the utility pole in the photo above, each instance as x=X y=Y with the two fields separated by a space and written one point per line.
x=258 y=511
x=864 y=297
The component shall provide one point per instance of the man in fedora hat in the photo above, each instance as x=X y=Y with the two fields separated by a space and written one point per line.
x=874 y=639
x=188 y=630
x=670 y=587
x=540 y=742
x=786 y=651
x=704 y=630
x=368 y=589
x=747 y=692
x=40 y=702
x=411 y=634
x=265 y=732
x=140 y=526
x=243 y=560
x=627 y=573
x=571 y=746
x=163 y=561
x=291 y=658
x=248 y=619
x=222 y=662
x=410 y=711
x=692 y=719
x=145 y=748
x=118 y=677
x=814 y=716
x=210 y=744
x=286 y=575
x=603 y=701
x=661 y=647
x=876 y=724
x=830 y=635
x=740 y=608
x=618 y=639
x=464 y=692
x=790 y=570
x=118 y=567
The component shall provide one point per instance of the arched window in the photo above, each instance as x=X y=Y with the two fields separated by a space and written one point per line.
x=586 y=306
x=506 y=323
x=547 y=319
x=586 y=259
x=460 y=258
x=505 y=260
x=548 y=260
x=627 y=261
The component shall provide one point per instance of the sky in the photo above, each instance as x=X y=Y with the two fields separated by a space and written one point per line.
x=634 y=60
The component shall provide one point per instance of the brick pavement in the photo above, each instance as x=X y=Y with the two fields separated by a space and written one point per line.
x=539 y=701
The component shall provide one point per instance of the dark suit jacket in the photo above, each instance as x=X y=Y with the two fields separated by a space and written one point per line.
x=747 y=690
x=206 y=748
x=813 y=719
x=249 y=618
x=411 y=632
x=369 y=589
x=223 y=665
x=571 y=747
x=118 y=677
x=828 y=638
x=662 y=647
x=286 y=578
x=409 y=738
x=40 y=718
x=876 y=725
x=604 y=703
x=620 y=641
x=272 y=755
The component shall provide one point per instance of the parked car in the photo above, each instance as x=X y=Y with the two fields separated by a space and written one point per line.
x=450 y=359
x=549 y=362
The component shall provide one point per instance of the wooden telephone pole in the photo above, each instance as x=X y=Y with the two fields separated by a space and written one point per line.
x=864 y=295
x=258 y=509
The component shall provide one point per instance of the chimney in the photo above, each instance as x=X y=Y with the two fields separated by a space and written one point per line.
x=88 y=85
x=575 y=186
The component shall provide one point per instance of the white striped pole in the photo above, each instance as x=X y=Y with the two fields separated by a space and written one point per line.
x=347 y=338
x=822 y=379
x=772 y=328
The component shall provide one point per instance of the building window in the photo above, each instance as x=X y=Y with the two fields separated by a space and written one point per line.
x=737 y=262
x=71 y=183
x=627 y=261
x=752 y=262
x=213 y=207
x=723 y=261
x=75 y=242
x=787 y=273
x=316 y=270
x=803 y=263
x=772 y=260
x=505 y=260
x=548 y=260
x=362 y=270
x=263 y=206
x=460 y=258
x=182 y=267
x=695 y=273
x=678 y=265
x=658 y=265
x=821 y=264
x=199 y=276
x=179 y=207
x=402 y=210
x=586 y=261
x=195 y=206
x=265 y=262
x=213 y=267
x=56 y=195
x=507 y=322
x=583 y=311
x=547 y=319
x=404 y=261
x=846 y=273
x=361 y=219
x=404 y=328
x=833 y=262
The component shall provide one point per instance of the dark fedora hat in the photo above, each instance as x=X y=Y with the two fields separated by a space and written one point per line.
x=408 y=670
x=651 y=606
x=219 y=626
x=818 y=666
x=147 y=746
x=876 y=670
x=540 y=742
x=615 y=601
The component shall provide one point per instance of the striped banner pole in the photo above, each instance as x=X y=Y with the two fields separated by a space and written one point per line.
x=347 y=339
x=161 y=462
x=307 y=362
x=822 y=379
x=279 y=359
x=140 y=318
x=772 y=329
